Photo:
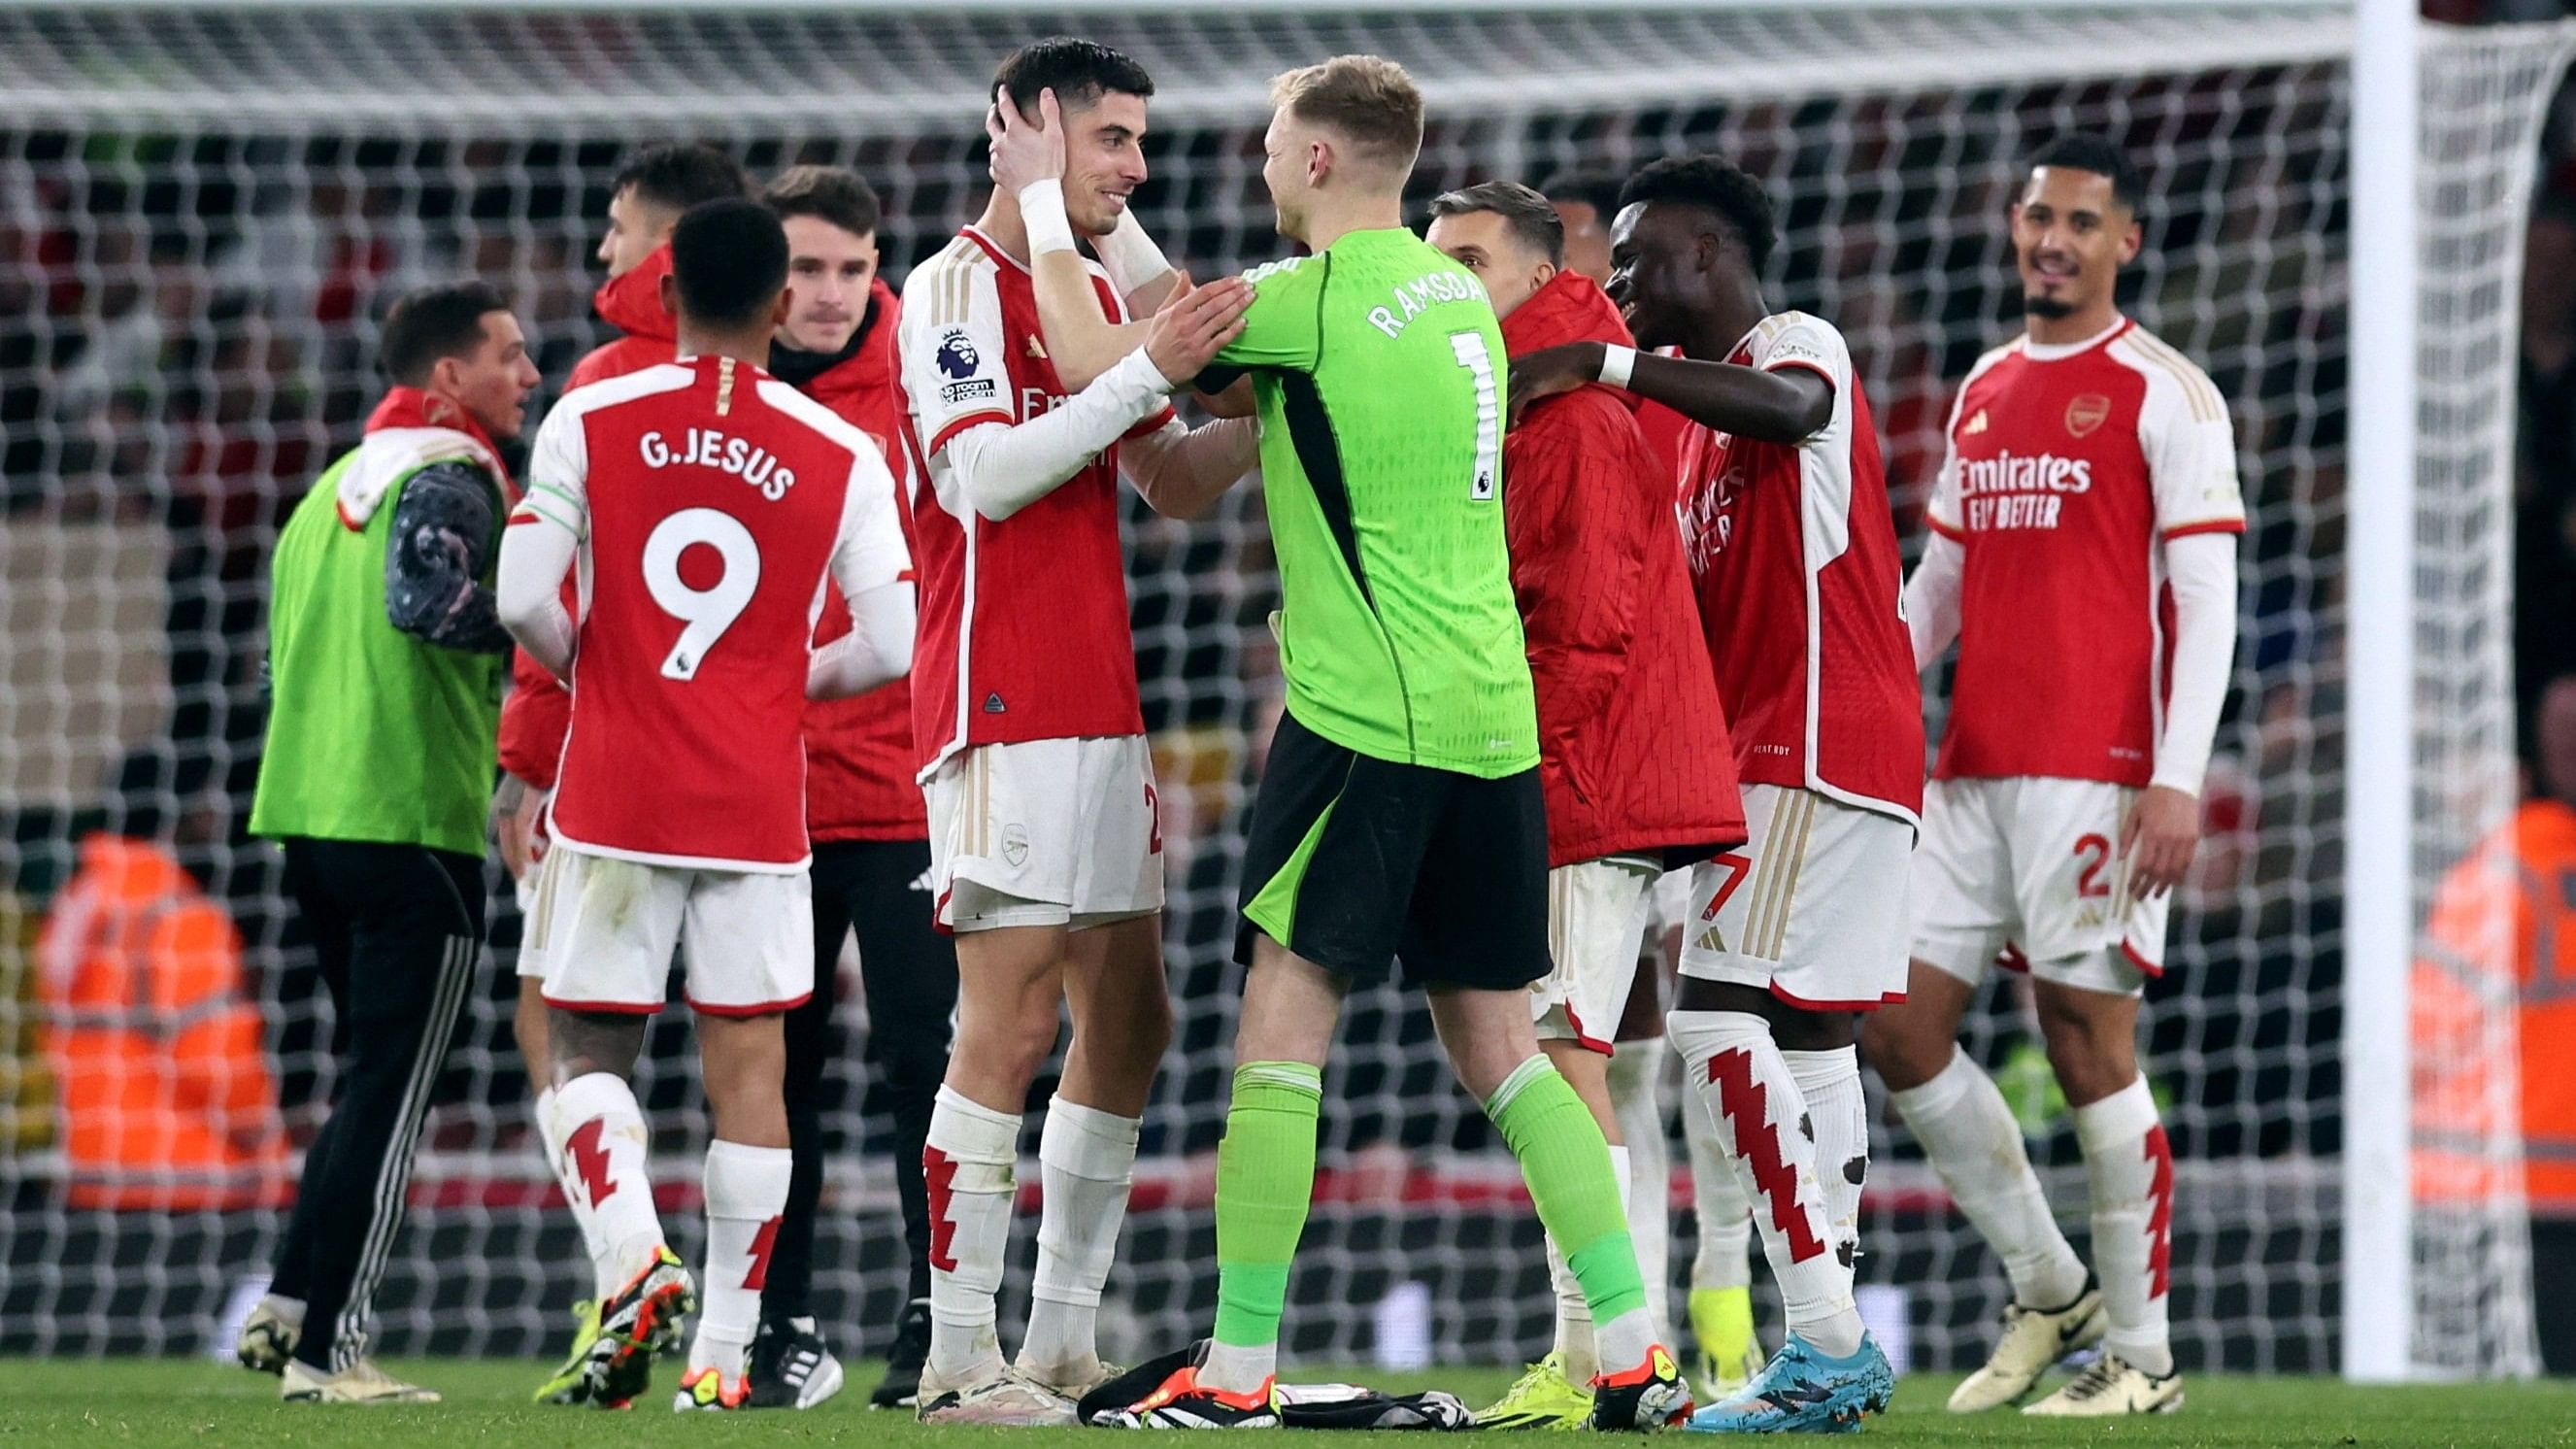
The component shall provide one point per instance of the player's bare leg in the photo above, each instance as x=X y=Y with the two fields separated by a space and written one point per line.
x=596 y=1138
x=1974 y=1142
x=1122 y=1021
x=2092 y=1046
x=570 y=1383
x=1010 y=996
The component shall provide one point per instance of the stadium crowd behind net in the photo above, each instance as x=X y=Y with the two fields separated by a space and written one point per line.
x=204 y=212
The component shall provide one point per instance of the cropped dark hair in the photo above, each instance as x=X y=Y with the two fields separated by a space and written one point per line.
x=1716 y=185
x=443 y=319
x=1596 y=189
x=2088 y=151
x=1080 y=72
x=680 y=176
x=730 y=260
x=831 y=193
x=1531 y=217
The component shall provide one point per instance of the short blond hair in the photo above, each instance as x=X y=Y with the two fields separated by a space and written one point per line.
x=1367 y=99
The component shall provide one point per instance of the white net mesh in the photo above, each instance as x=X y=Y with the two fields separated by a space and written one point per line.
x=2484 y=93
x=202 y=210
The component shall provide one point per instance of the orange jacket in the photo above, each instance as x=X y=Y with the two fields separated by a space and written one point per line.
x=2512 y=900
x=162 y=1072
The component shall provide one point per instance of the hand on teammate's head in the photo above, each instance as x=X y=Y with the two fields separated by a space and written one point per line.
x=1025 y=151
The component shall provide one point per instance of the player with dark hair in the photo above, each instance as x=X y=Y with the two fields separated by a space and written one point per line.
x=728 y=499
x=1638 y=774
x=871 y=838
x=384 y=662
x=2083 y=555
x=647 y=197
x=1401 y=812
x=1046 y=851
x=1786 y=524
x=1721 y=1299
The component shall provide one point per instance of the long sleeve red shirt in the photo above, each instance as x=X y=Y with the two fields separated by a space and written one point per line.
x=1635 y=757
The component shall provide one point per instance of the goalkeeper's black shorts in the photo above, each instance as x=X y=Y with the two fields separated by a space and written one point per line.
x=1356 y=863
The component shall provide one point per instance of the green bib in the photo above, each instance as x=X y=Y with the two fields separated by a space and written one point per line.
x=373 y=735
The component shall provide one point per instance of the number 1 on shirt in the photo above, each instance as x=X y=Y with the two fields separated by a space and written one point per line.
x=1479 y=362
x=710 y=611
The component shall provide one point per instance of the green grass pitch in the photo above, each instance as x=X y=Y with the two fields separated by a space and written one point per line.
x=190 y=1403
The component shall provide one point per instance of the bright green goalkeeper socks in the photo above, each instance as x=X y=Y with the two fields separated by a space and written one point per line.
x=1265 y=1182
x=1567 y=1164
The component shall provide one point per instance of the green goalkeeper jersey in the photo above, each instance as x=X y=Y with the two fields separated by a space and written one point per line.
x=1378 y=367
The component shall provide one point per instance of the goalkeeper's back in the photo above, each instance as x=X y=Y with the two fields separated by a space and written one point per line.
x=1379 y=369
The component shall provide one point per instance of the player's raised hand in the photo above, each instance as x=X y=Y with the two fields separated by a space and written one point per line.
x=1552 y=370
x=2157 y=840
x=1184 y=337
x=1025 y=151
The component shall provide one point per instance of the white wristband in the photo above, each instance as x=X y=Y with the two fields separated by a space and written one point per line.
x=1616 y=363
x=1129 y=256
x=1042 y=212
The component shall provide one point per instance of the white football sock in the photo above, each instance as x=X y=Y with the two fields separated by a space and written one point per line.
x=746 y=1190
x=595 y=1138
x=604 y=1281
x=1738 y=1067
x=1725 y=1258
x=967 y=1166
x=545 y=1140
x=2130 y=1169
x=1574 y=1343
x=1839 y=1111
x=1976 y=1147
x=1239 y=1369
x=1087 y=1159
x=1637 y=1098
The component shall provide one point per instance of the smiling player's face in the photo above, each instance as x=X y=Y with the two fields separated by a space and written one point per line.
x=1104 y=161
x=1657 y=273
x=1283 y=171
x=2071 y=237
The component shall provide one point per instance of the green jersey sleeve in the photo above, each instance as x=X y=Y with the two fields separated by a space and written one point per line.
x=1285 y=327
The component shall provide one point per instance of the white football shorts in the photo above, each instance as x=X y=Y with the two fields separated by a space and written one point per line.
x=1811 y=908
x=1045 y=833
x=2033 y=864
x=604 y=932
x=1594 y=911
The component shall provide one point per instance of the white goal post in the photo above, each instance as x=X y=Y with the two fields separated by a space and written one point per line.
x=206 y=204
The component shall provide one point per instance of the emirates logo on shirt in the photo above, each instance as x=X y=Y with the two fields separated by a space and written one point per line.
x=2086 y=412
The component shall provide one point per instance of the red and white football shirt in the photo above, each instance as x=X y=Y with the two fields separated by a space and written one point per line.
x=1024 y=632
x=2068 y=469
x=710 y=499
x=1799 y=589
